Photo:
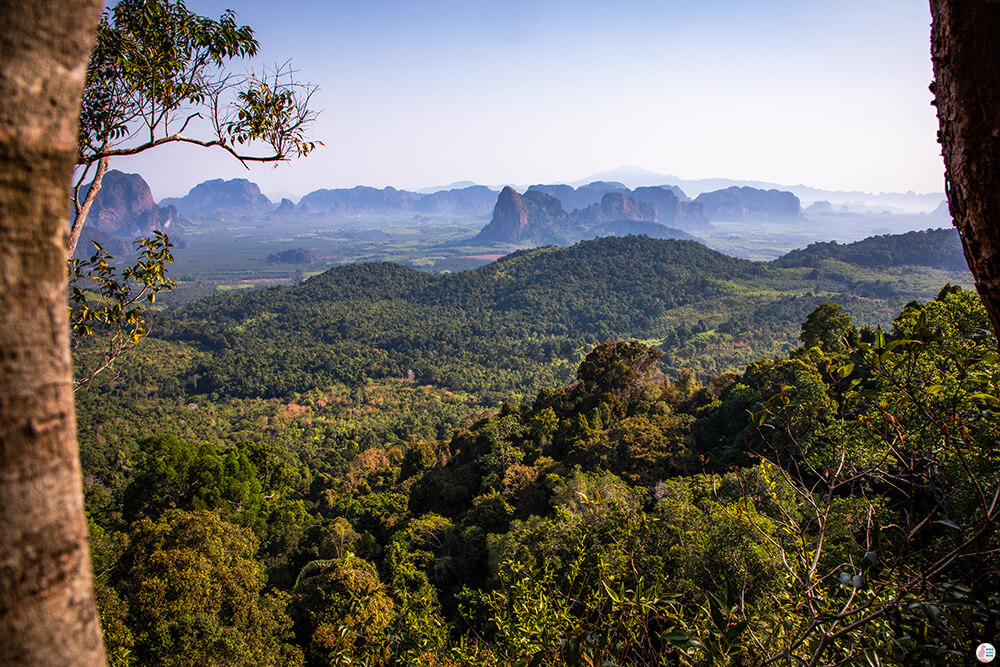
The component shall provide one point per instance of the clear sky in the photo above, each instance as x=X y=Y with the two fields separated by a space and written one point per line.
x=417 y=93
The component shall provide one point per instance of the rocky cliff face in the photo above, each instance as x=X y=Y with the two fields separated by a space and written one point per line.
x=537 y=217
x=532 y=217
x=673 y=207
x=125 y=207
x=510 y=219
x=238 y=196
x=670 y=205
x=583 y=196
x=615 y=206
x=744 y=204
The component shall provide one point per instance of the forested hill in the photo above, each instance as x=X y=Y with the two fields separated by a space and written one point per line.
x=580 y=287
x=937 y=248
x=521 y=322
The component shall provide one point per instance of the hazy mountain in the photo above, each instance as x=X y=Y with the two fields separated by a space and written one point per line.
x=632 y=177
x=472 y=201
x=457 y=185
x=465 y=199
x=583 y=196
x=125 y=207
x=750 y=205
x=653 y=230
x=360 y=200
x=671 y=205
x=237 y=196
x=534 y=217
x=896 y=202
x=615 y=206
x=538 y=217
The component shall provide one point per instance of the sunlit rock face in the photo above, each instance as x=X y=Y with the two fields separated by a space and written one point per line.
x=125 y=207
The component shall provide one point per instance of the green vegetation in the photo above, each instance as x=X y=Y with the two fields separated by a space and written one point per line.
x=110 y=304
x=515 y=325
x=826 y=505
x=387 y=467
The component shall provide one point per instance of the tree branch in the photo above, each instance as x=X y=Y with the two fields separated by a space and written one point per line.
x=179 y=138
x=83 y=208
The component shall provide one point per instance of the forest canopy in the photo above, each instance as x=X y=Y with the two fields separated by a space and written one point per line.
x=826 y=504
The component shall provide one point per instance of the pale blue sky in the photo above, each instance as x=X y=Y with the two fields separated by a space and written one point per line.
x=422 y=93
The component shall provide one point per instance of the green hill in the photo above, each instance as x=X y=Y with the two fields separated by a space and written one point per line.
x=521 y=322
x=936 y=248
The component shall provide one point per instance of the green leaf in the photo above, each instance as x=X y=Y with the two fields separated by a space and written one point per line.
x=989 y=399
x=845 y=370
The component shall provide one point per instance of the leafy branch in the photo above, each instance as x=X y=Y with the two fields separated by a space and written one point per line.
x=102 y=300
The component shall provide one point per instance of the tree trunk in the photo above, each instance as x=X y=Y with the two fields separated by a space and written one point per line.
x=83 y=208
x=965 y=49
x=47 y=611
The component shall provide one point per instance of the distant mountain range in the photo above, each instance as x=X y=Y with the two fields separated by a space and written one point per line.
x=238 y=196
x=543 y=213
x=854 y=200
x=538 y=217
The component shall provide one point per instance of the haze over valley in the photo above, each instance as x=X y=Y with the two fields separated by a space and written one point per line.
x=230 y=235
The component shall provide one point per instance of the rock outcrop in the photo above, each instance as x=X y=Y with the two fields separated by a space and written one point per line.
x=125 y=207
x=583 y=196
x=539 y=218
x=510 y=219
x=673 y=207
x=285 y=208
x=615 y=206
x=745 y=204
x=670 y=205
x=237 y=196
x=532 y=217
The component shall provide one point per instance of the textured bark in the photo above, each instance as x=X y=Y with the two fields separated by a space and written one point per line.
x=47 y=612
x=965 y=49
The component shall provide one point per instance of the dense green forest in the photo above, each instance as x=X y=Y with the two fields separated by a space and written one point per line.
x=385 y=467
x=520 y=323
